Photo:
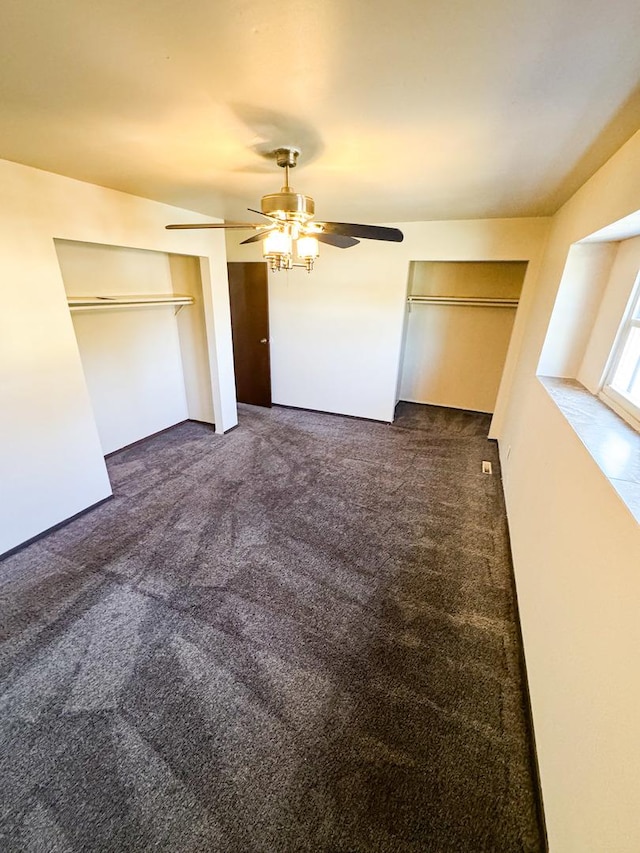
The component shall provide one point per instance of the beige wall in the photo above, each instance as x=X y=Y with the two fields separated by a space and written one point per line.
x=584 y=279
x=454 y=354
x=131 y=358
x=336 y=334
x=576 y=551
x=335 y=342
x=51 y=463
x=336 y=339
x=616 y=292
x=197 y=368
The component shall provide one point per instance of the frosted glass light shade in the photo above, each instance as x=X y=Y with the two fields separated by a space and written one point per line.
x=307 y=247
x=277 y=243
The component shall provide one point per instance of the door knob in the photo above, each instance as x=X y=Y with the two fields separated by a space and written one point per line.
x=263 y=340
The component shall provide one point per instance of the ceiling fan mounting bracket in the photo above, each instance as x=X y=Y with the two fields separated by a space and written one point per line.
x=287 y=156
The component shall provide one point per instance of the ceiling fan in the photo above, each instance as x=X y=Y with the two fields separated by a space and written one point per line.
x=290 y=220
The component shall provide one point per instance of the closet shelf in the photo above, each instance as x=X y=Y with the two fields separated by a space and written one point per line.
x=464 y=300
x=93 y=303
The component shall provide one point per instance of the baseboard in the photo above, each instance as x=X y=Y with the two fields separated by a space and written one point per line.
x=144 y=438
x=444 y=406
x=66 y=521
x=55 y=527
x=196 y=421
x=154 y=434
x=333 y=414
x=533 y=753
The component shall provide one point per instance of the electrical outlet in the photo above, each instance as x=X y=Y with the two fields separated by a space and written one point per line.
x=486 y=468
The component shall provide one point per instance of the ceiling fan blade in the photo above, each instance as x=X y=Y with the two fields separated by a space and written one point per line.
x=365 y=232
x=256 y=237
x=216 y=225
x=338 y=240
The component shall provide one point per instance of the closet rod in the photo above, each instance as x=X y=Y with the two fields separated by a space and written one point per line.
x=464 y=300
x=93 y=303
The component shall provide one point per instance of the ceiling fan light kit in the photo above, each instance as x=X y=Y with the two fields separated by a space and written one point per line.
x=291 y=224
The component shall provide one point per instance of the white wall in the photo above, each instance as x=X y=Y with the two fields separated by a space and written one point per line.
x=192 y=332
x=584 y=280
x=576 y=546
x=615 y=297
x=51 y=463
x=453 y=355
x=576 y=551
x=336 y=333
x=131 y=358
x=133 y=370
x=336 y=338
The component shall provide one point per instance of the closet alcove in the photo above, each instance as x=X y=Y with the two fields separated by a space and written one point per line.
x=458 y=325
x=141 y=329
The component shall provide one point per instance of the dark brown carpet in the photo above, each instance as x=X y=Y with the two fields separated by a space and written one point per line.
x=297 y=637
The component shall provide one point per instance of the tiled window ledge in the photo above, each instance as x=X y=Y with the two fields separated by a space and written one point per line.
x=614 y=445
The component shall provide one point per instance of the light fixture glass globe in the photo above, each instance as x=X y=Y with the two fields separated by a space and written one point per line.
x=307 y=247
x=277 y=243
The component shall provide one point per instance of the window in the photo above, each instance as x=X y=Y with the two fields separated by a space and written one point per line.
x=622 y=382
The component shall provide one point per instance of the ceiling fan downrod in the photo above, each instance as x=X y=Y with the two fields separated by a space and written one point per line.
x=286 y=158
x=288 y=205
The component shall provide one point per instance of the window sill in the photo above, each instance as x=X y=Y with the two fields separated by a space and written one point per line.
x=613 y=444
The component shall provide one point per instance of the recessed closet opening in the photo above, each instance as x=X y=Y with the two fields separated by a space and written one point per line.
x=459 y=319
x=141 y=329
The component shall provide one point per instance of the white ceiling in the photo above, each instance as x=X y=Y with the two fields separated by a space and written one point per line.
x=404 y=110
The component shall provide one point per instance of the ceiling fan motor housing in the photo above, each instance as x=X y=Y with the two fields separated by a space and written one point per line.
x=288 y=205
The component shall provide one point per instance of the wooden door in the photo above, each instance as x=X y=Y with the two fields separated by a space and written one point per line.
x=250 y=326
